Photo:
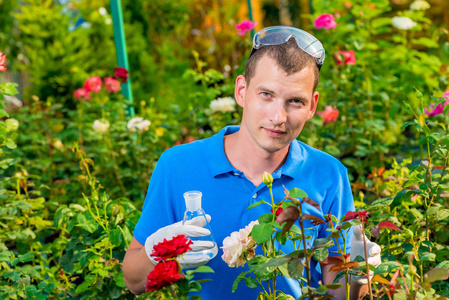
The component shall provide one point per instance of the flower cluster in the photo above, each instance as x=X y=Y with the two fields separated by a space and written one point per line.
x=168 y=271
x=222 y=105
x=138 y=125
x=94 y=84
x=239 y=247
x=245 y=26
x=326 y=21
x=2 y=62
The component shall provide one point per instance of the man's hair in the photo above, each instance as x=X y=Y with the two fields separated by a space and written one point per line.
x=288 y=56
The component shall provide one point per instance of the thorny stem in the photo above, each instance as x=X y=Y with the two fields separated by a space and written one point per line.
x=270 y=187
x=301 y=223
x=348 y=285
x=367 y=265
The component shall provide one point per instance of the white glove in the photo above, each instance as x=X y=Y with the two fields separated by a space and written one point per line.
x=191 y=228
x=357 y=248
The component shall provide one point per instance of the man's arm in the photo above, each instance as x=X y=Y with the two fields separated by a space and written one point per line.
x=136 y=267
x=357 y=291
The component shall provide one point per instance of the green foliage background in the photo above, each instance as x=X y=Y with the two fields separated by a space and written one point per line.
x=183 y=54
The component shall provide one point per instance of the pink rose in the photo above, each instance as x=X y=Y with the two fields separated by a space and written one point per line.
x=2 y=62
x=326 y=21
x=238 y=248
x=329 y=114
x=433 y=110
x=245 y=26
x=112 y=85
x=93 y=84
x=345 y=57
x=81 y=94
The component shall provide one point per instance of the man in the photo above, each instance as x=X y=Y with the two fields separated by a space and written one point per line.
x=278 y=97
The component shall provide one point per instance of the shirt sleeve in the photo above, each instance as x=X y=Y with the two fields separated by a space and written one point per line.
x=338 y=201
x=158 y=208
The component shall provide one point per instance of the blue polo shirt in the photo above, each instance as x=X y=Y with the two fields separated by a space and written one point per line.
x=203 y=166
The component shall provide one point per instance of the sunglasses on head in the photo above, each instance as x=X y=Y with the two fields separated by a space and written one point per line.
x=278 y=35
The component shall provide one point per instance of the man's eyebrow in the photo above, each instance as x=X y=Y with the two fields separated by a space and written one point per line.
x=265 y=89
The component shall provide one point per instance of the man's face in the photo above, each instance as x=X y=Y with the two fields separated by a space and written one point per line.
x=275 y=105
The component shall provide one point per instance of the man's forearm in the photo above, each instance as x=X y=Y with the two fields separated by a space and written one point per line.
x=136 y=266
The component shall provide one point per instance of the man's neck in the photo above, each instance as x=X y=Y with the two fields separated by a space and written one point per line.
x=253 y=161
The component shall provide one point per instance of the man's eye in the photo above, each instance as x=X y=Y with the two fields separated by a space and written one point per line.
x=265 y=94
x=296 y=101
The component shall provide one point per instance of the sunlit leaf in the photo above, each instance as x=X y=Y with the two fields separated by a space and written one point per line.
x=436 y=274
x=380 y=279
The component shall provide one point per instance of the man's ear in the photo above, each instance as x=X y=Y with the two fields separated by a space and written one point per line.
x=240 y=90
x=313 y=105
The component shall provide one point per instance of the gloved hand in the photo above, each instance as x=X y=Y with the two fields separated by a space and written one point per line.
x=192 y=228
x=357 y=248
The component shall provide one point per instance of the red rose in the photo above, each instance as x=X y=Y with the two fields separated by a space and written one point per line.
x=164 y=274
x=279 y=209
x=169 y=249
x=93 y=84
x=345 y=57
x=121 y=74
x=81 y=94
x=329 y=114
x=112 y=85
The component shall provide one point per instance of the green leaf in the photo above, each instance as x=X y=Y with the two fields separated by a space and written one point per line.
x=442 y=213
x=202 y=269
x=436 y=274
x=400 y=197
x=261 y=233
x=11 y=144
x=297 y=193
x=444 y=264
x=9 y=88
x=325 y=242
x=82 y=287
x=338 y=277
x=251 y=282
x=26 y=257
x=257 y=204
x=295 y=268
x=277 y=261
x=321 y=254
x=239 y=278
x=427 y=257
x=386 y=267
x=406 y=124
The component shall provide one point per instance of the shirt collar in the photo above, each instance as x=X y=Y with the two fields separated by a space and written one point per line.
x=217 y=160
x=219 y=163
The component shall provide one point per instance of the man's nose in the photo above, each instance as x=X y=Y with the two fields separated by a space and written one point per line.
x=278 y=113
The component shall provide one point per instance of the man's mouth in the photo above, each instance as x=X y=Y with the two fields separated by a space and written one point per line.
x=274 y=132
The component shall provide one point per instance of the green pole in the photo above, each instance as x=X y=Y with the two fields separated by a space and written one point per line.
x=120 y=46
x=250 y=14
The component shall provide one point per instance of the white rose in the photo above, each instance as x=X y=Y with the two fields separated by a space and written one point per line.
x=101 y=126
x=222 y=105
x=419 y=5
x=138 y=124
x=403 y=23
x=238 y=248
